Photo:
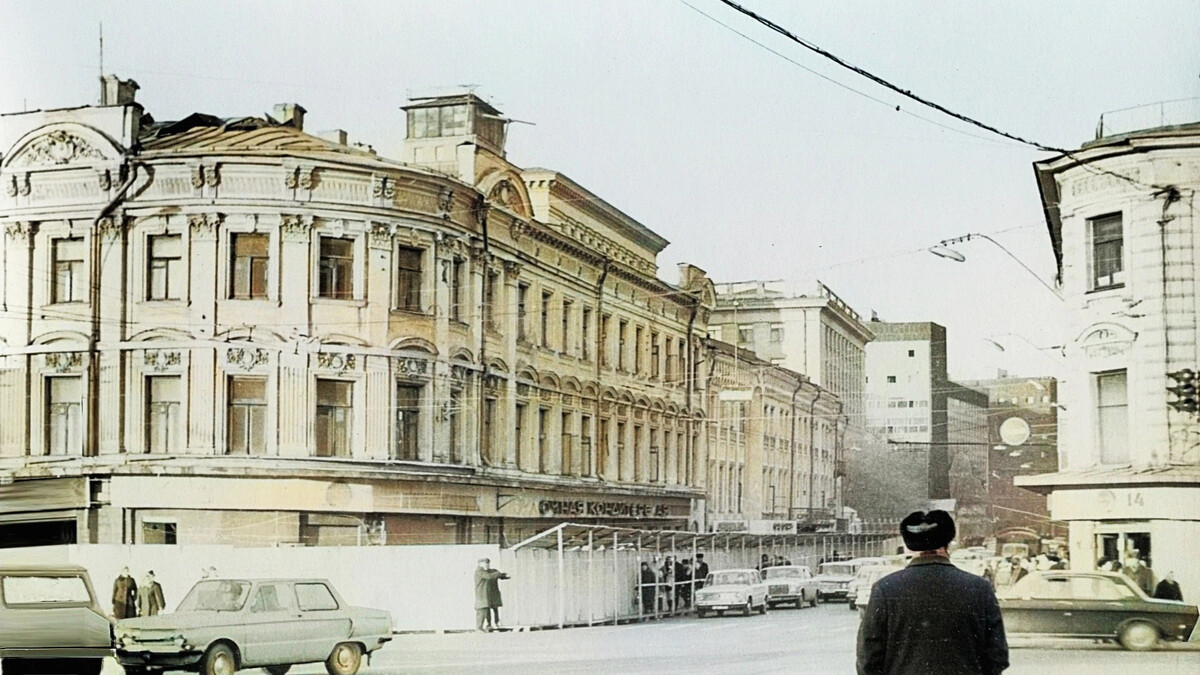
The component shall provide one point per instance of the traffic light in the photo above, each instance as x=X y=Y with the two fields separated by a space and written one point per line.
x=1184 y=390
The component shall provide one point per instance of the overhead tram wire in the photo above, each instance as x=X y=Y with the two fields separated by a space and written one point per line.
x=931 y=104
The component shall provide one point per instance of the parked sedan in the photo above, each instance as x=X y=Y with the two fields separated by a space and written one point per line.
x=727 y=590
x=224 y=625
x=834 y=578
x=1093 y=605
x=790 y=584
x=860 y=595
x=50 y=621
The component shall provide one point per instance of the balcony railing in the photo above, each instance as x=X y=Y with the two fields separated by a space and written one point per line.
x=1150 y=116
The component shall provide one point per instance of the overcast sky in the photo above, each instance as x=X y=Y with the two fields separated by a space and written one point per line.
x=750 y=165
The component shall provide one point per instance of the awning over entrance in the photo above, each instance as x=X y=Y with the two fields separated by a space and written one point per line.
x=1180 y=475
x=580 y=536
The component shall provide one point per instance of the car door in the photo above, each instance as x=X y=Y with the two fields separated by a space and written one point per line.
x=269 y=620
x=1102 y=603
x=321 y=621
x=1043 y=604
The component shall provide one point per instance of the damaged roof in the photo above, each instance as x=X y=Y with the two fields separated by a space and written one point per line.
x=207 y=133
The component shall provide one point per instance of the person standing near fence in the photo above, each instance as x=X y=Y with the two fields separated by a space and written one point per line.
x=125 y=596
x=701 y=571
x=487 y=596
x=649 y=582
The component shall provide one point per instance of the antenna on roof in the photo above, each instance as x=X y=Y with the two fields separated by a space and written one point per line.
x=101 y=62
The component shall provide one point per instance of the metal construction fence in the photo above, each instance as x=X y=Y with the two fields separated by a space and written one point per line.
x=581 y=575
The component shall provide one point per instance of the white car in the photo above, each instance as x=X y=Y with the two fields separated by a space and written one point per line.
x=790 y=584
x=729 y=590
x=835 y=578
x=865 y=581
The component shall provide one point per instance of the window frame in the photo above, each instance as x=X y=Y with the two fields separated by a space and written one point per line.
x=348 y=407
x=235 y=274
x=413 y=410
x=1116 y=274
x=408 y=281
x=77 y=290
x=249 y=407
x=342 y=269
x=167 y=265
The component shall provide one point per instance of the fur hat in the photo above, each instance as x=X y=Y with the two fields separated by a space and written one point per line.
x=927 y=531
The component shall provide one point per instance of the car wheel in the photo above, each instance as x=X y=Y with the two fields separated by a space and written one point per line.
x=274 y=670
x=850 y=604
x=749 y=607
x=813 y=602
x=344 y=660
x=700 y=613
x=1139 y=636
x=219 y=660
x=762 y=609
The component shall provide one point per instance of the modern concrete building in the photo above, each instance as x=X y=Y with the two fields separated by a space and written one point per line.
x=774 y=445
x=912 y=404
x=234 y=330
x=1121 y=212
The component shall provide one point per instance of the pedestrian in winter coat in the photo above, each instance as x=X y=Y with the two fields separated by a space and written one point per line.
x=125 y=596
x=1141 y=574
x=701 y=571
x=150 y=596
x=649 y=583
x=487 y=592
x=1168 y=588
x=931 y=617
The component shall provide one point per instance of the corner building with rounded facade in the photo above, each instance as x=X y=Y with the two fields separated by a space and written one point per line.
x=223 y=330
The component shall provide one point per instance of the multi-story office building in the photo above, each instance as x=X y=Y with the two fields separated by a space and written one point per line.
x=773 y=445
x=808 y=330
x=233 y=330
x=1121 y=214
x=912 y=404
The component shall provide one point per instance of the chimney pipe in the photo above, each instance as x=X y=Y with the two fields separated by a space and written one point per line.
x=290 y=114
x=115 y=91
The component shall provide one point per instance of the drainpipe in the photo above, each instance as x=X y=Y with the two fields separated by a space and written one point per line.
x=1170 y=195
x=599 y=346
x=812 y=454
x=93 y=431
x=792 y=446
x=482 y=211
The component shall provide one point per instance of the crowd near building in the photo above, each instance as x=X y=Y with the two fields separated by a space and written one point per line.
x=1121 y=213
x=235 y=330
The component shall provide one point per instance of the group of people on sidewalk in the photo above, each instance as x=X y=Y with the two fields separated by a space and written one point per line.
x=129 y=600
x=668 y=587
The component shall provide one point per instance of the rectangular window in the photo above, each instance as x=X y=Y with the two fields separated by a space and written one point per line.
x=336 y=269
x=247 y=416
x=585 y=334
x=519 y=433
x=620 y=450
x=545 y=319
x=163 y=395
x=566 y=438
x=604 y=360
x=1112 y=408
x=64 y=407
x=163 y=276
x=1107 y=252
x=680 y=375
x=522 y=307
x=491 y=299
x=543 y=440
x=776 y=333
x=891 y=379
x=745 y=334
x=602 y=446
x=489 y=430
x=622 y=327
x=637 y=350
x=912 y=353
x=68 y=271
x=455 y=419
x=315 y=598
x=332 y=423
x=456 y=290
x=408 y=279
x=250 y=256
x=408 y=421
x=159 y=532
x=639 y=462
x=565 y=335
x=655 y=453
x=655 y=357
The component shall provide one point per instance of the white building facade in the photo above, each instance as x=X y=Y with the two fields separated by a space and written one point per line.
x=1122 y=217
x=234 y=330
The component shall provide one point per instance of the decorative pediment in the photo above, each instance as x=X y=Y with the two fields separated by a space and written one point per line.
x=1105 y=340
x=60 y=144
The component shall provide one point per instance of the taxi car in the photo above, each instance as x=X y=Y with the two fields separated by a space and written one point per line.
x=728 y=590
x=50 y=621
x=790 y=584
x=1097 y=605
x=224 y=625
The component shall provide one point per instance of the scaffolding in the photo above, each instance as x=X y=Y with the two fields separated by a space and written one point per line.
x=584 y=575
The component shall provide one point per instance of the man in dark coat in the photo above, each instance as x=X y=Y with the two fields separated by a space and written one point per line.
x=125 y=596
x=649 y=583
x=150 y=596
x=1168 y=588
x=701 y=571
x=485 y=578
x=931 y=617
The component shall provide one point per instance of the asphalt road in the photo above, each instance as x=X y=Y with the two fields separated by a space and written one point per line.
x=817 y=640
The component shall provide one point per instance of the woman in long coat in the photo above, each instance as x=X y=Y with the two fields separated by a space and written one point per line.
x=125 y=596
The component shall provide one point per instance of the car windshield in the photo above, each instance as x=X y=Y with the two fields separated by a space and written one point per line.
x=839 y=569
x=730 y=578
x=45 y=590
x=218 y=595
x=783 y=573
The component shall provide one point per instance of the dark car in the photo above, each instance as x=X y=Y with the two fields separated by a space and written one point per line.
x=50 y=621
x=1093 y=605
